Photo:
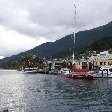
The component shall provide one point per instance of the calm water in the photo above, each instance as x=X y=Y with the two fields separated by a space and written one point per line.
x=46 y=93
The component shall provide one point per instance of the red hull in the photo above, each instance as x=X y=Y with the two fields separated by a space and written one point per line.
x=78 y=76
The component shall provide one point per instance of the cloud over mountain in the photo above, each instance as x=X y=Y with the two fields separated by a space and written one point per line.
x=31 y=23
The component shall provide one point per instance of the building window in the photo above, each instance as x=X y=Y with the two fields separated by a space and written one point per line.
x=104 y=63
x=101 y=63
x=108 y=63
x=94 y=63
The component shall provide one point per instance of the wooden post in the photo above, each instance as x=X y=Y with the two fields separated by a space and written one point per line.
x=102 y=73
x=107 y=73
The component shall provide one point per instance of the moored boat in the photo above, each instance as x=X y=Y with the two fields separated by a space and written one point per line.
x=78 y=73
x=79 y=76
x=106 y=71
x=30 y=70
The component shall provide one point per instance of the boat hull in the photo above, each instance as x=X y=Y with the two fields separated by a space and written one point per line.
x=79 y=76
x=30 y=70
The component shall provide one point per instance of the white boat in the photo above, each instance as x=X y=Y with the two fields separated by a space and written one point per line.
x=106 y=71
x=29 y=70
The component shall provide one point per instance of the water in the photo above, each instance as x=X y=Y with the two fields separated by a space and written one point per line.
x=47 y=93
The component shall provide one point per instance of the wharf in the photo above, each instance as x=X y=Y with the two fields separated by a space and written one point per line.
x=48 y=72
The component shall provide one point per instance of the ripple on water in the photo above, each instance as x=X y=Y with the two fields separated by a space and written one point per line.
x=47 y=93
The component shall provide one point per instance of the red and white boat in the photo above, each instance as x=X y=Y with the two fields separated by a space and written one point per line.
x=77 y=73
x=74 y=72
x=80 y=75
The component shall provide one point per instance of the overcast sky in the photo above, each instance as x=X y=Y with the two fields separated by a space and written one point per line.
x=25 y=24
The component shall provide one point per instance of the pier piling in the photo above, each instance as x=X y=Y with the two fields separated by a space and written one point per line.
x=102 y=73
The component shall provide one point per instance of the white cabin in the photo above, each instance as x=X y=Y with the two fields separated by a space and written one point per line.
x=106 y=69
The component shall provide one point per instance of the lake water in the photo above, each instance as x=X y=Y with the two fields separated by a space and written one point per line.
x=53 y=93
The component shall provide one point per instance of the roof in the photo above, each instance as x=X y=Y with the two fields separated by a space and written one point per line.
x=102 y=57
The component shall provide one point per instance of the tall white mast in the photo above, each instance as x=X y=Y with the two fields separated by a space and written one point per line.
x=74 y=33
x=75 y=22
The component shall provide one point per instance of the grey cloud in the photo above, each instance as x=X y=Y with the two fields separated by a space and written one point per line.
x=52 y=13
x=45 y=17
x=53 y=19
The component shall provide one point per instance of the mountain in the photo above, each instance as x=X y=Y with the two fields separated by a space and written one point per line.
x=101 y=44
x=83 y=39
x=88 y=36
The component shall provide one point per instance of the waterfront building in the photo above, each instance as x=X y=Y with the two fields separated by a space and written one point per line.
x=101 y=59
x=54 y=64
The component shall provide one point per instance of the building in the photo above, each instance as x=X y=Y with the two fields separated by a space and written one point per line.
x=104 y=58
x=54 y=65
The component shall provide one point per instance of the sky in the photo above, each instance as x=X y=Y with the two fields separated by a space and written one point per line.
x=25 y=24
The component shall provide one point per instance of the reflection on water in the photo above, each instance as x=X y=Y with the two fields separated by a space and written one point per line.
x=47 y=93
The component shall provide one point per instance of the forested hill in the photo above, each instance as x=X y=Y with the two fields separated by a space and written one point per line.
x=83 y=38
x=94 y=34
x=101 y=44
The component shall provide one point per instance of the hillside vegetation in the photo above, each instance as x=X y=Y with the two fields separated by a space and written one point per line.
x=95 y=39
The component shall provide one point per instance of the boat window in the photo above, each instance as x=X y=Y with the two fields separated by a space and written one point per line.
x=105 y=69
x=110 y=70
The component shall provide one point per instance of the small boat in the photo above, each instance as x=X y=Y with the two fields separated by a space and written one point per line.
x=29 y=65
x=31 y=70
x=106 y=71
